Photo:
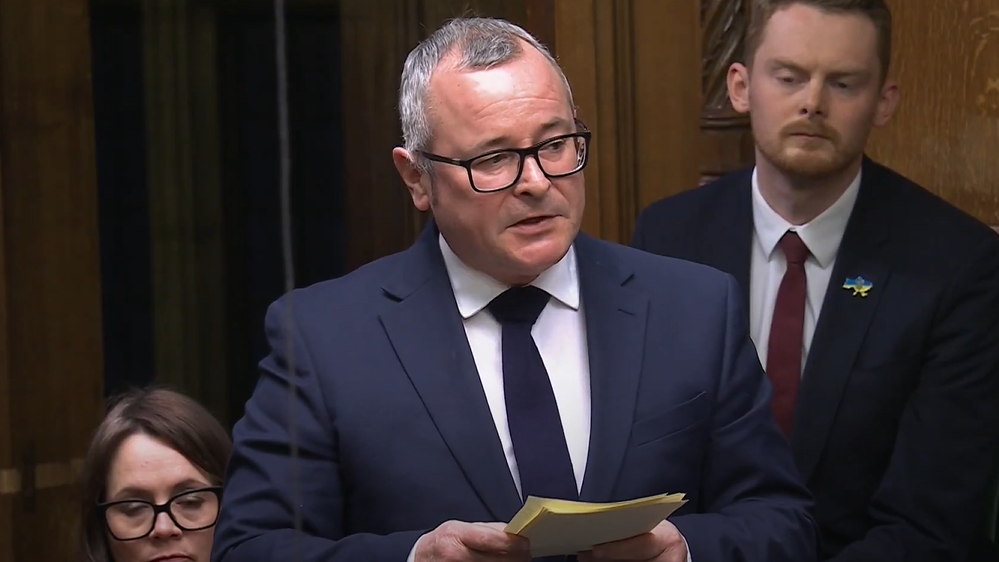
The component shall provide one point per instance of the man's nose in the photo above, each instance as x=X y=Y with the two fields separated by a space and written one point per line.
x=814 y=103
x=533 y=180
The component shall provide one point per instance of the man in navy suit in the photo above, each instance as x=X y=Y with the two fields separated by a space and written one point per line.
x=505 y=355
x=890 y=396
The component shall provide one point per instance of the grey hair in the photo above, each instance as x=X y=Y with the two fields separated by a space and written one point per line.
x=478 y=44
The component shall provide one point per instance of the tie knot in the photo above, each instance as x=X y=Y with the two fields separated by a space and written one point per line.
x=795 y=250
x=519 y=305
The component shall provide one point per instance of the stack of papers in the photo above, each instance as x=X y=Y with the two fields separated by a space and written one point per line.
x=561 y=527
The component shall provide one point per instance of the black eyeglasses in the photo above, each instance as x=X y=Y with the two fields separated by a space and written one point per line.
x=557 y=157
x=194 y=510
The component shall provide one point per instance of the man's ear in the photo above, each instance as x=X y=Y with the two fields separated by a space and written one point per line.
x=738 y=87
x=887 y=104
x=415 y=179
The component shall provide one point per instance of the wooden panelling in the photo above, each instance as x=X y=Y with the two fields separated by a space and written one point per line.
x=50 y=325
x=589 y=35
x=375 y=41
x=635 y=70
x=664 y=68
x=726 y=139
x=946 y=133
x=45 y=475
x=540 y=22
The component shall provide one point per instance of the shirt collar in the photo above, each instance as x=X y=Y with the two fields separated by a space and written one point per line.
x=474 y=290
x=821 y=235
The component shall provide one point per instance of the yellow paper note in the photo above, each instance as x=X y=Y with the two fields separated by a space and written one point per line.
x=562 y=527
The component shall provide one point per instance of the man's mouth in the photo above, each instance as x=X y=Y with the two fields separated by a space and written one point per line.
x=534 y=220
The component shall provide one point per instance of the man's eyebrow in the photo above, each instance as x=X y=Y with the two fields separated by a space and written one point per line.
x=850 y=73
x=779 y=64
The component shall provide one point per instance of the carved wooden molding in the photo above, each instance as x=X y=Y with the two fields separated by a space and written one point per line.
x=723 y=24
x=726 y=142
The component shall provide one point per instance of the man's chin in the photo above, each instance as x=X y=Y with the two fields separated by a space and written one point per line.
x=809 y=165
x=539 y=254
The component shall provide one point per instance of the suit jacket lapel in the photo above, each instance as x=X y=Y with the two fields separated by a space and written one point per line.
x=842 y=323
x=615 y=325
x=426 y=331
x=728 y=235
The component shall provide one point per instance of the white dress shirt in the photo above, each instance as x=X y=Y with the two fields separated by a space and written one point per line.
x=822 y=235
x=559 y=333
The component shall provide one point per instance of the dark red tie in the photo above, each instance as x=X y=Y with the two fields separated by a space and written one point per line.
x=787 y=331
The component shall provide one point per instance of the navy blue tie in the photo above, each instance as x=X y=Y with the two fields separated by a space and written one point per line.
x=532 y=414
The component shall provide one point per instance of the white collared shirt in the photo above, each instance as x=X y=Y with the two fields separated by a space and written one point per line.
x=822 y=235
x=559 y=333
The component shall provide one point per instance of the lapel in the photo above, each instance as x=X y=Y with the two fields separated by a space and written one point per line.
x=728 y=235
x=426 y=332
x=843 y=321
x=615 y=326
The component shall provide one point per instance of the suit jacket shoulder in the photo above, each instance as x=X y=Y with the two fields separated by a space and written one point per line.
x=355 y=301
x=655 y=274
x=927 y=223
x=706 y=204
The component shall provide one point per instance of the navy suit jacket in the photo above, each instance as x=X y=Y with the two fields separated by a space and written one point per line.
x=394 y=435
x=896 y=430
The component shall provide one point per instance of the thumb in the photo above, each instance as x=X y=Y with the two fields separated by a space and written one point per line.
x=492 y=537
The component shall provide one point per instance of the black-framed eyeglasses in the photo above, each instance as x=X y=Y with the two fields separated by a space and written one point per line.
x=194 y=510
x=497 y=170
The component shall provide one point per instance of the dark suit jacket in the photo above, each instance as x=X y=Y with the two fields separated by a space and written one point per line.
x=897 y=426
x=395 y=436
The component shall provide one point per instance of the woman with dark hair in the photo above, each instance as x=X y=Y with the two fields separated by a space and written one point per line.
x=152 y=480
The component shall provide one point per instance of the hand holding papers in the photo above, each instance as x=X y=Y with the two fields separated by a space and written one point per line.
x=560 y=527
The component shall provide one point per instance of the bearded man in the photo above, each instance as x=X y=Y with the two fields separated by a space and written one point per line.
x=874 y=305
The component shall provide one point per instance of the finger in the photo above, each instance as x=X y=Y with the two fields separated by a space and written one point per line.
x=491 y=537
x=495 y=525
x=498 y=557
x=642 y=547
x=664 y=538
